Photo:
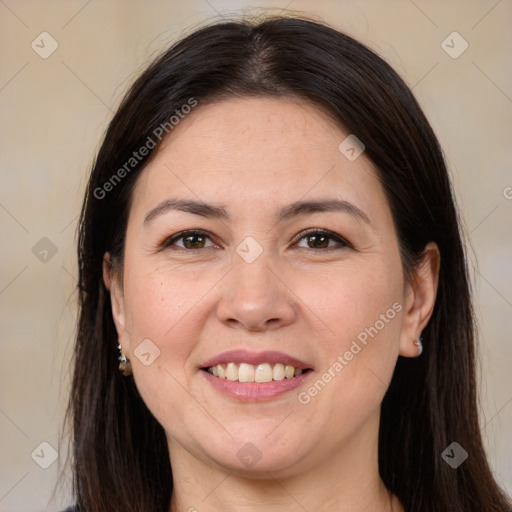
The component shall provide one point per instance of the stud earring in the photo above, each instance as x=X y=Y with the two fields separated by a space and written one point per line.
x=419 y=344
x=125 y=367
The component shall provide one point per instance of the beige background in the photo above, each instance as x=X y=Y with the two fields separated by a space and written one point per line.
x=54 y=112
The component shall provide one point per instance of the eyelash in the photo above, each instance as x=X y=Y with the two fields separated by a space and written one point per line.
x=322 y=232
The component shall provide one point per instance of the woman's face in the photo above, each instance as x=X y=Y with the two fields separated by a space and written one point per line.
x=262 y=180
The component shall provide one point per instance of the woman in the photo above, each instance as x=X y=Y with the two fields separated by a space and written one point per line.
x=269 y=252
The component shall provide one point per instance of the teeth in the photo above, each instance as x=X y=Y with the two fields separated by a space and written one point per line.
x=232 y=371
x=278 y=372
x=245 y=372
x=263 y=373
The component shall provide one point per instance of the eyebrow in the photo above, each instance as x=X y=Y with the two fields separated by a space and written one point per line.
x=216 y=211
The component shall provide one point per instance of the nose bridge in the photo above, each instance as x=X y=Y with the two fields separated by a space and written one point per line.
x=253 y=295
x=251 y=279
x=253 y=284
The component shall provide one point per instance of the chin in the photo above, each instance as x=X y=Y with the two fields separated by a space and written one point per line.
x=258 y=456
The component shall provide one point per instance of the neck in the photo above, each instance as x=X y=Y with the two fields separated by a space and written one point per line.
x=346 y=481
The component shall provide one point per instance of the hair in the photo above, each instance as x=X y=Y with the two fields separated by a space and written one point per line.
x=119 y=450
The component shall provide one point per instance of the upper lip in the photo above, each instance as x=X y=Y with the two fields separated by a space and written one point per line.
x=255 y=358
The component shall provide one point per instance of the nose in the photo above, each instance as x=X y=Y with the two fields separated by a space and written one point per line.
x=255 y=297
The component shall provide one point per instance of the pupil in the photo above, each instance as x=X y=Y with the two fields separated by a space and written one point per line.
x=322 y=239
x=192 y=237
x=317 y=241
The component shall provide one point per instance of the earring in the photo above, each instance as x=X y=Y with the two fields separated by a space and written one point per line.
x=125 y=367
x=419 y=344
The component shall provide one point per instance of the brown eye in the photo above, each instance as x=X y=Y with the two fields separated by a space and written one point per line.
x=320 y=239
x=190 y=240
x=193 y=241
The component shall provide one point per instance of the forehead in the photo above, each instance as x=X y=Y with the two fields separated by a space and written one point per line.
x=250 y=152
x=233 y=130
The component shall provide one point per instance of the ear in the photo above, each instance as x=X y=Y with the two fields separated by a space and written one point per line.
x=113 y=283
x=420 y=298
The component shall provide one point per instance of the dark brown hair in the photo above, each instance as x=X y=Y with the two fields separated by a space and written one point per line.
x=120 y=455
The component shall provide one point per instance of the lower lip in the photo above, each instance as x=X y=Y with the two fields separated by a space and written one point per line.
x=255 y=391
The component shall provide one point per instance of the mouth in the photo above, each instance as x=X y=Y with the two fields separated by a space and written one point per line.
x=252 y=377
x=246 y=372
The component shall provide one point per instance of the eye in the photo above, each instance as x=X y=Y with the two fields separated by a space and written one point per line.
x=321 y=238
x=315 y=239
x=192 y=239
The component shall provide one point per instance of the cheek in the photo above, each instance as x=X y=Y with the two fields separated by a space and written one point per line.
x=169 y=306
x=363 y=308
x=160 y=307
x=158 y=303
x=155 y=310
x=354 y=299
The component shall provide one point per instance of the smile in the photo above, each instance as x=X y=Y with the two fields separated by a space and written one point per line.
x=245 y=372
x=249 y=376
